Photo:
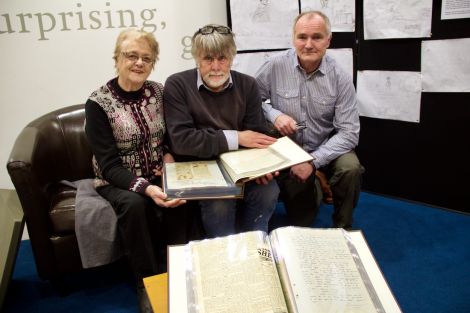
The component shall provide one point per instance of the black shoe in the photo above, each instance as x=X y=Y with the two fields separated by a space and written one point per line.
x=144 y=302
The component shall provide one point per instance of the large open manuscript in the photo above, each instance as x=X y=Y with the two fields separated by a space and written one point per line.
x=293 y=269
x=225 y=177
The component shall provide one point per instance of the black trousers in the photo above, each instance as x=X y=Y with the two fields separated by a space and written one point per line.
x=146 y=229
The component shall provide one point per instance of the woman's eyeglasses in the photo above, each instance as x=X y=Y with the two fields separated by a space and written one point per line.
x=134 y=57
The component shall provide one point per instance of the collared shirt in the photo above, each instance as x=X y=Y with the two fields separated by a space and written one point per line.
x=230 y=135
x=324 y=100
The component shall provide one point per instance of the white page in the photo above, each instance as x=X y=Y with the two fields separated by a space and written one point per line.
x=252 y=160
x=445 y=65
x=322 y=272
x=389 y=95
x=344 y=58
x=249 y=63
x=452 y=9
x=397 y=19
x=177 y=302
x=250 y=163
x=235 y=273
x=263 y=24
x=384 y=293
x=341 y=13
x=177 y=281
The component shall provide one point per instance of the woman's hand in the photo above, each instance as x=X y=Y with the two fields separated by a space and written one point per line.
x=159 y=197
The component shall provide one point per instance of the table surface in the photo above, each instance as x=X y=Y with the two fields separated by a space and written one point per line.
x=157 y=290
x=11 y=228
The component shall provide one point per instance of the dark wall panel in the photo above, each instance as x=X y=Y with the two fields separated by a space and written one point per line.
x=429 y=161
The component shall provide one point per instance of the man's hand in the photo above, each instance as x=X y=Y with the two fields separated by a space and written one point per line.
x=159 y=197
x=264 y=180
x=251 y=139
x=285 y=124
x=302 y=171
x=167 y=158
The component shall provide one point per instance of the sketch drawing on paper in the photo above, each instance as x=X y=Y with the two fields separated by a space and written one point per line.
x=262 y=14
x=340 y=12
x=324 y=4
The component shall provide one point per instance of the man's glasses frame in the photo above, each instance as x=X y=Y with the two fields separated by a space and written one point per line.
x=207 y=30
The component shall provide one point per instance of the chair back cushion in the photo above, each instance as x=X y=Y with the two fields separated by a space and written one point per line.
x=63 y=150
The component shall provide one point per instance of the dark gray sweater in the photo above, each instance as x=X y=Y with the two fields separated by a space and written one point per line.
x=195 y=118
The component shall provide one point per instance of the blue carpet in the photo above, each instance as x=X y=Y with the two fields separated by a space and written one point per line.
x=422 y=251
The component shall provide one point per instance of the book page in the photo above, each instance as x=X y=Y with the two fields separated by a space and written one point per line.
x=236 y=273
x=322 y=272
x=177 y=289
x=247 y=164
x=252 y=160
x=181 y=175
x=384 y=293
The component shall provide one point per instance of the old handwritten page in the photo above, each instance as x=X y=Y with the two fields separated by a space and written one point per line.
x=235 y=274
x=181 y=175
x=323 y=274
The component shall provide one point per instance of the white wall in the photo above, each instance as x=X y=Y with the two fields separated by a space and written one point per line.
x=54 y=53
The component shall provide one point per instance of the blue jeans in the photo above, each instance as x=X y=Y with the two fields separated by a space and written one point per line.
x=219 y=217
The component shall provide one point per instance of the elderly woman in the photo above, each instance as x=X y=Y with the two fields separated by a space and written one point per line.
x=126 y=130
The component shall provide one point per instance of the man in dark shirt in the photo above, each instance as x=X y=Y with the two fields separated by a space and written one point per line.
x=210 y=110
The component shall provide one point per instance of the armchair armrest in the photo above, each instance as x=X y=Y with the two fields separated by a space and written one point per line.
x=48 y=150
x=22 y=167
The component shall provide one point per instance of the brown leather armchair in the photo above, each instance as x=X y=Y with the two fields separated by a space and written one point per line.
x=50 y=149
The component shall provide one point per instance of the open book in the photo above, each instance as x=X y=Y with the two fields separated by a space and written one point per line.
x=225 y=177
x=293 y=269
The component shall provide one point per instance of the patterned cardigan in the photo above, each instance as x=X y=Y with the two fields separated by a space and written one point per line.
x=126 y=131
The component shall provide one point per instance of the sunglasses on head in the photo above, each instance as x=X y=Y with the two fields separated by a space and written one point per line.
x=206 y=30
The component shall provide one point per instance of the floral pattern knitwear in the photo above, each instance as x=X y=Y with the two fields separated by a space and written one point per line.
x=138 y=127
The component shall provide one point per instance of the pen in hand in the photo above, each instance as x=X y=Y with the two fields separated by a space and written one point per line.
x=301 y=125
